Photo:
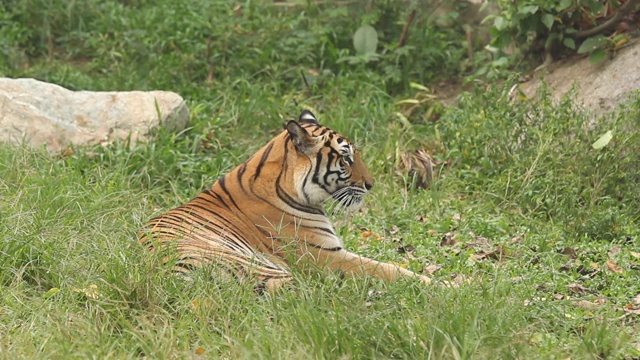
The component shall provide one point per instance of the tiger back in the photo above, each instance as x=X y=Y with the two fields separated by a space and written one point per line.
x=267 y=214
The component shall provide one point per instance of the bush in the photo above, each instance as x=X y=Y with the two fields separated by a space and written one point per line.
x=559 y=25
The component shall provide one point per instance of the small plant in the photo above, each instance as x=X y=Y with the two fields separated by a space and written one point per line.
x=423 y=104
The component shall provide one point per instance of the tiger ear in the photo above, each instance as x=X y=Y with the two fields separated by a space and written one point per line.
x=307 y=117
x=303 y=141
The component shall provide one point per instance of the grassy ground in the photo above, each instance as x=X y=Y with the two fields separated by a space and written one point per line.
x=538 y=228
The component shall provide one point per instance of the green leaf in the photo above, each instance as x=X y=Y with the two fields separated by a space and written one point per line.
x=547 y=20
x=592 y=43
x=528 y=9
x=603 y=140
x=563 y=5
x=595 y=6
x=499 y=23
x=418 y=86
x=365 y=40
x=403 y=120
x=597 y=56
x=51 y=292
x=568 y=42
x=407 y=101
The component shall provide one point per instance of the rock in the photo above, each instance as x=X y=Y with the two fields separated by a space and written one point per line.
x=602 y=86
x=39 y=113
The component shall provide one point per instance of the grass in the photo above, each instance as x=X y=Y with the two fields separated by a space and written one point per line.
x=546 y=227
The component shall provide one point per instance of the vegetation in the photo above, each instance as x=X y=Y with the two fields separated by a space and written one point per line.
x=533 y=217
x=560 y=26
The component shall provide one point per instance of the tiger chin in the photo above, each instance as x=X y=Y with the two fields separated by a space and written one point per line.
x=266 y=216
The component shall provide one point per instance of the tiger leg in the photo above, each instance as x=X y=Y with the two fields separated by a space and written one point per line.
x=355 y=265
x=269 y=275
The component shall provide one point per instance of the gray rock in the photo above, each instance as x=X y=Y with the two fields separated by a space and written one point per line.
x=39 y=113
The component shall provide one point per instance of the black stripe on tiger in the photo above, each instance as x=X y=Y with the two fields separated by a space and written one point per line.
x=263 y=160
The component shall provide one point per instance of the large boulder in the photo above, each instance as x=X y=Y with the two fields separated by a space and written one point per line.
x=43 y=114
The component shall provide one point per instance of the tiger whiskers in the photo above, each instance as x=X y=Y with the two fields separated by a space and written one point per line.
x=345 y=200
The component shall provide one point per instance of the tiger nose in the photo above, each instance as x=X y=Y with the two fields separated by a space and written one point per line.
x=368 y=185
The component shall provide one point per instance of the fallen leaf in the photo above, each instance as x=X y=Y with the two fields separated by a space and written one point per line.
x=558 y=296
x=636 y=300
x=432 y=268
x=578 y=289
x=195 y=303
x=585 y=270
x=497 y=254
x=406 y=249
x=456 y=217
x=516 y=240
x=421 y=219
x=631 y=309
x=91 y=292
x=457 y=280
x=448 y=240
x=403 y=265
x=394 y=230
x=432 y=232
x=585 y=304
x=367 y=234
x=600 y=301
x=199 y=351
x=614 y=267
x=565 y=268
x=614 y=250
x=570 y=252
x=68 y=152
x=635 y=254
x=595 y=265
x=478 y=240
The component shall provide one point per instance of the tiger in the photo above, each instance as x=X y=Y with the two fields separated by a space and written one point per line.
x=266 y=216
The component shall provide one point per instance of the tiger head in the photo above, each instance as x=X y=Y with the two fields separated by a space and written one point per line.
x=334 y=168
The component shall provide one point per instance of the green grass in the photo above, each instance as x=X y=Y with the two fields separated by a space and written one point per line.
x=74 y=283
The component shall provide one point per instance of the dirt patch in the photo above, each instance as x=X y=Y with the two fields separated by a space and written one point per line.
x=602 y=86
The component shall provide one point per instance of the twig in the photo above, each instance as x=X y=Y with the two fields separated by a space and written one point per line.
x=405 y=31
x=623 y=10
x=304 y=78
